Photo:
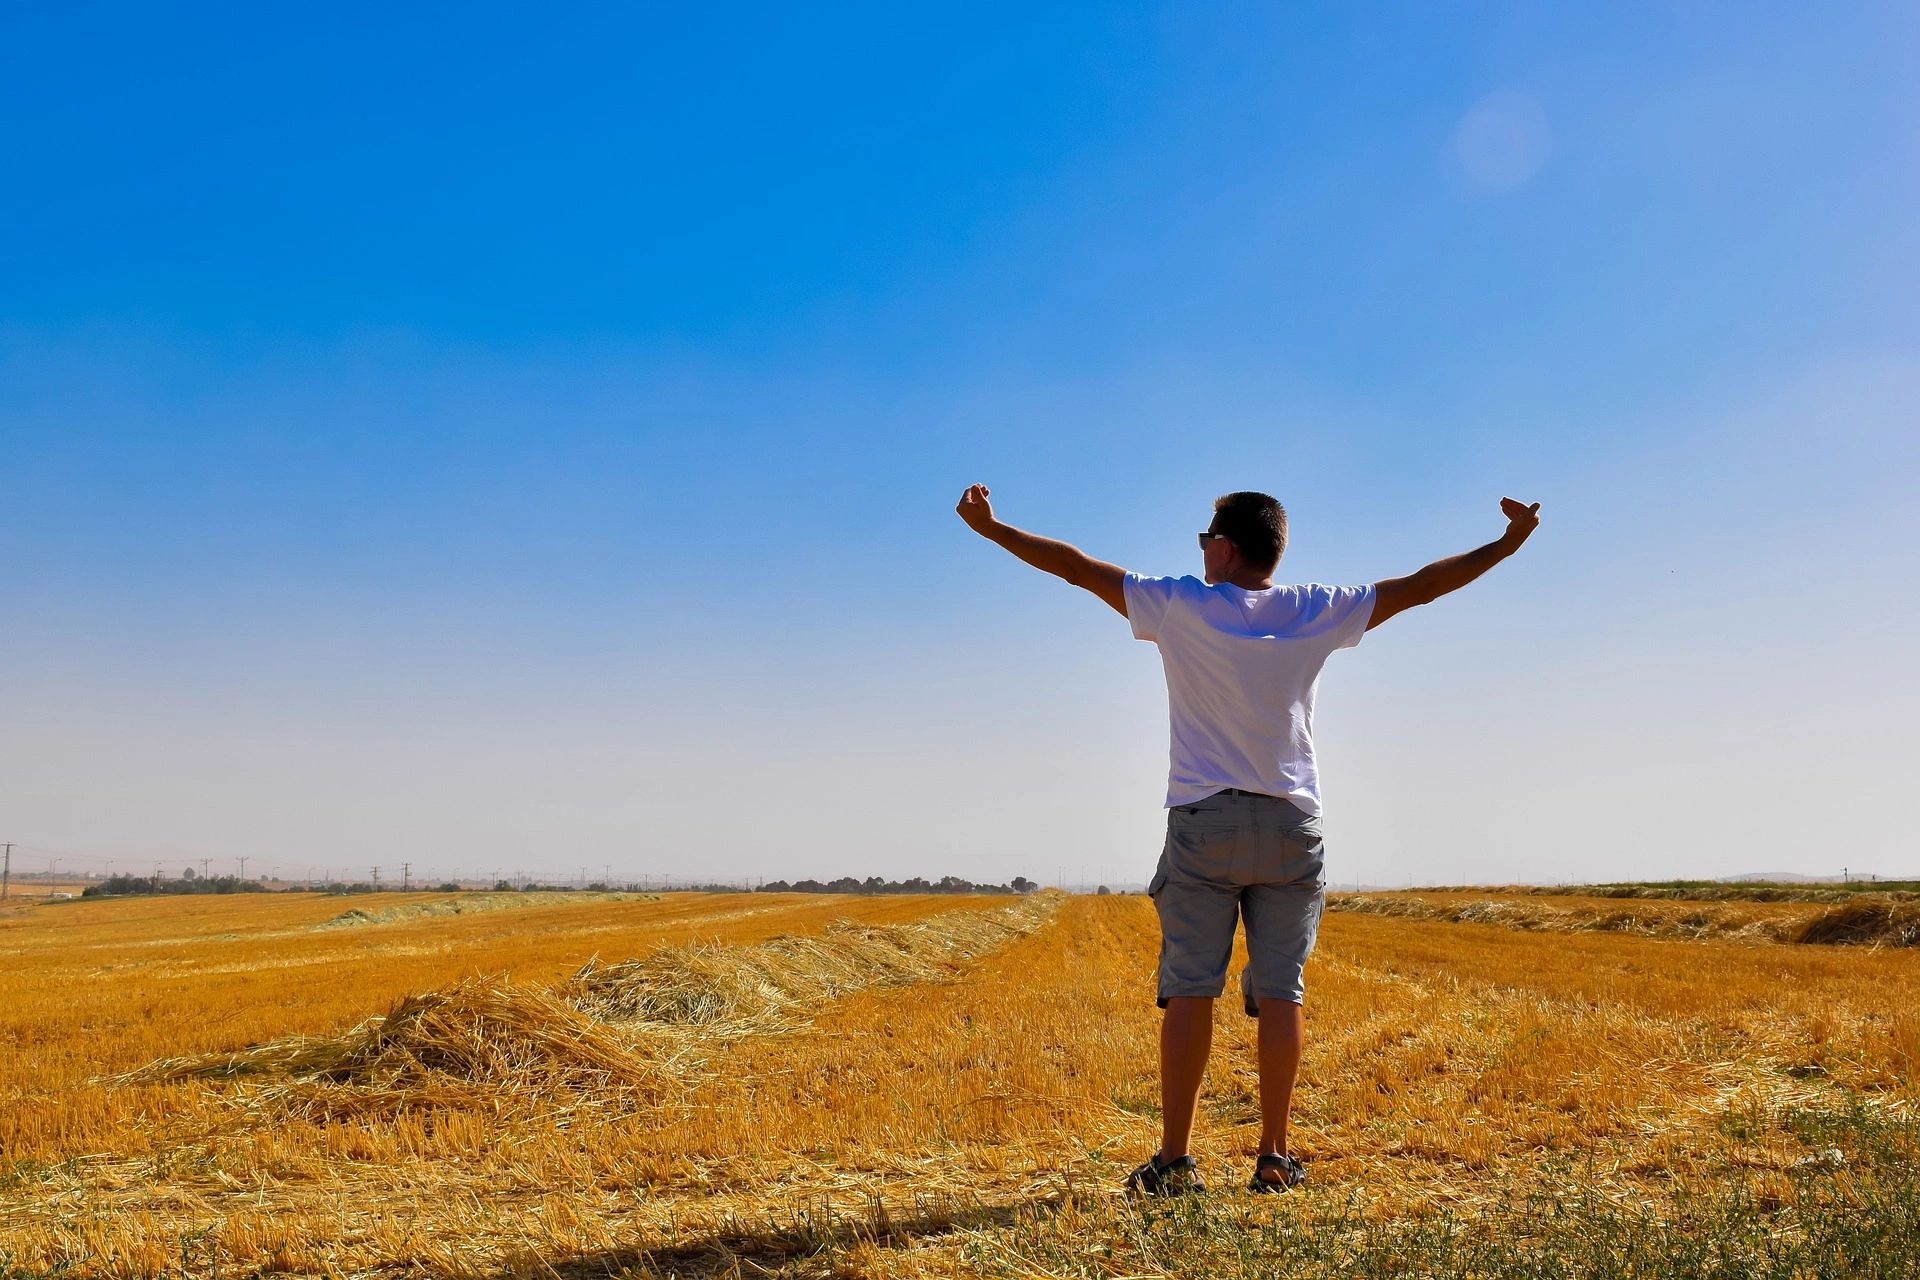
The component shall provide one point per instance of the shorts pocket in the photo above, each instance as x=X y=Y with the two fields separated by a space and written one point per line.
x=1161 y=871
x=1202 y=855
x=1203 y=823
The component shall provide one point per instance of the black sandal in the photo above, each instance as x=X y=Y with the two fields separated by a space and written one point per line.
x=1292 y=1173
x=1175 y=1177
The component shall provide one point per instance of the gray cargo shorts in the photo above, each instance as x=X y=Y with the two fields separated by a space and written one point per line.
x=1238 y=854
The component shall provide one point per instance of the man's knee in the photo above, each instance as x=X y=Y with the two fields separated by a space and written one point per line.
x=1281 y=1016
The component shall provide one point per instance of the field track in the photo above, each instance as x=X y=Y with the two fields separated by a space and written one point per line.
x=953 y=1122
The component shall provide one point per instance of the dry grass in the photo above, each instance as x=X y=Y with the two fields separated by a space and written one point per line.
x=904 y=1126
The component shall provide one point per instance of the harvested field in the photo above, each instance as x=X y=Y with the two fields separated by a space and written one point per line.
x=968 y=1105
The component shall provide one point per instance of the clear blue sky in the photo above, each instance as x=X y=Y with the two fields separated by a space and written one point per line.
x=502 y=440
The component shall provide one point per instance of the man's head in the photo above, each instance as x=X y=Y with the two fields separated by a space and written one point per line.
x=1252 y=529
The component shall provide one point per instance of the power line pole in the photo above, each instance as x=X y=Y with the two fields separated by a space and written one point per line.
x=376 y=879
x=204 y=863
x=406 y=875
x=6 y=874
x=243 y=868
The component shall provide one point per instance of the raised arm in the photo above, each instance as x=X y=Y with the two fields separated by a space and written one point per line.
x=1395 y=595
x=1061 y=559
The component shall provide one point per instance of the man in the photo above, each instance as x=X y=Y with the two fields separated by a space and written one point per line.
x=1242 y=659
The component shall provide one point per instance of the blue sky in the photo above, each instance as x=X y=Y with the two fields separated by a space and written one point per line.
x=508 y=441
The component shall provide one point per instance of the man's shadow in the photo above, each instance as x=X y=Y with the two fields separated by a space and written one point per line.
x=753 y=1248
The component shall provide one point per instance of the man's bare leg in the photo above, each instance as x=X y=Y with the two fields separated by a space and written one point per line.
x=1186 y=1037
x=1283 y=1026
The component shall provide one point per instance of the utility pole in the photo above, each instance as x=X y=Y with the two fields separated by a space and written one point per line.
x=376 y=879
x=406 y=875
x=243 y=868
x=6 y=874
x=204 y=863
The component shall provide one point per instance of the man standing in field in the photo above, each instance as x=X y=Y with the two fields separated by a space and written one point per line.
x=1242 y=659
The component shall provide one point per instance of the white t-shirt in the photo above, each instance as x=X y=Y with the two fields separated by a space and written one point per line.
x=1242 y=669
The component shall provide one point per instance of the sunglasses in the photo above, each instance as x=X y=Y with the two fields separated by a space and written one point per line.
x=1205 y=538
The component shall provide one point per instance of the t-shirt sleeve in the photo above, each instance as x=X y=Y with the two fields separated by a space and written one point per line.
x=1147 y=601
x=1348 y=610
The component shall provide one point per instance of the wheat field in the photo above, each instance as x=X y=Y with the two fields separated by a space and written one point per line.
x=755 y=1084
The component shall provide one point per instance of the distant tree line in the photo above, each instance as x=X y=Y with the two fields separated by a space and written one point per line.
x=601 y=886
x=189 y=883
x=192 y=882
x=874 y=884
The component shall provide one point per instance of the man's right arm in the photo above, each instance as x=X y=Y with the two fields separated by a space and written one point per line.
x=1396 y=595
x=1061 y=559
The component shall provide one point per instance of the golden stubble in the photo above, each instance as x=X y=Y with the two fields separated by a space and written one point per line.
x=1447 y=1064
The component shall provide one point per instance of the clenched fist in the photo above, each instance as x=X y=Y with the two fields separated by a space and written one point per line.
x=1521 y=520
x=975 y=509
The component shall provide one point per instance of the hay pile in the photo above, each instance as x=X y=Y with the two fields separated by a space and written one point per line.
x=478 y=1043
x=627 y=1034
x=1879 y=924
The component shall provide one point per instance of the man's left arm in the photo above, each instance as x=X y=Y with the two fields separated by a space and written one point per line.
x=1061 y=559
x=1423 y=586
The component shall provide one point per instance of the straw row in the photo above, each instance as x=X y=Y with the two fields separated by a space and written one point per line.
x=469 y=903
x=1865 y=921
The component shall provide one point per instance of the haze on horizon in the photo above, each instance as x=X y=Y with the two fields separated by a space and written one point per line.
x=531 y=442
